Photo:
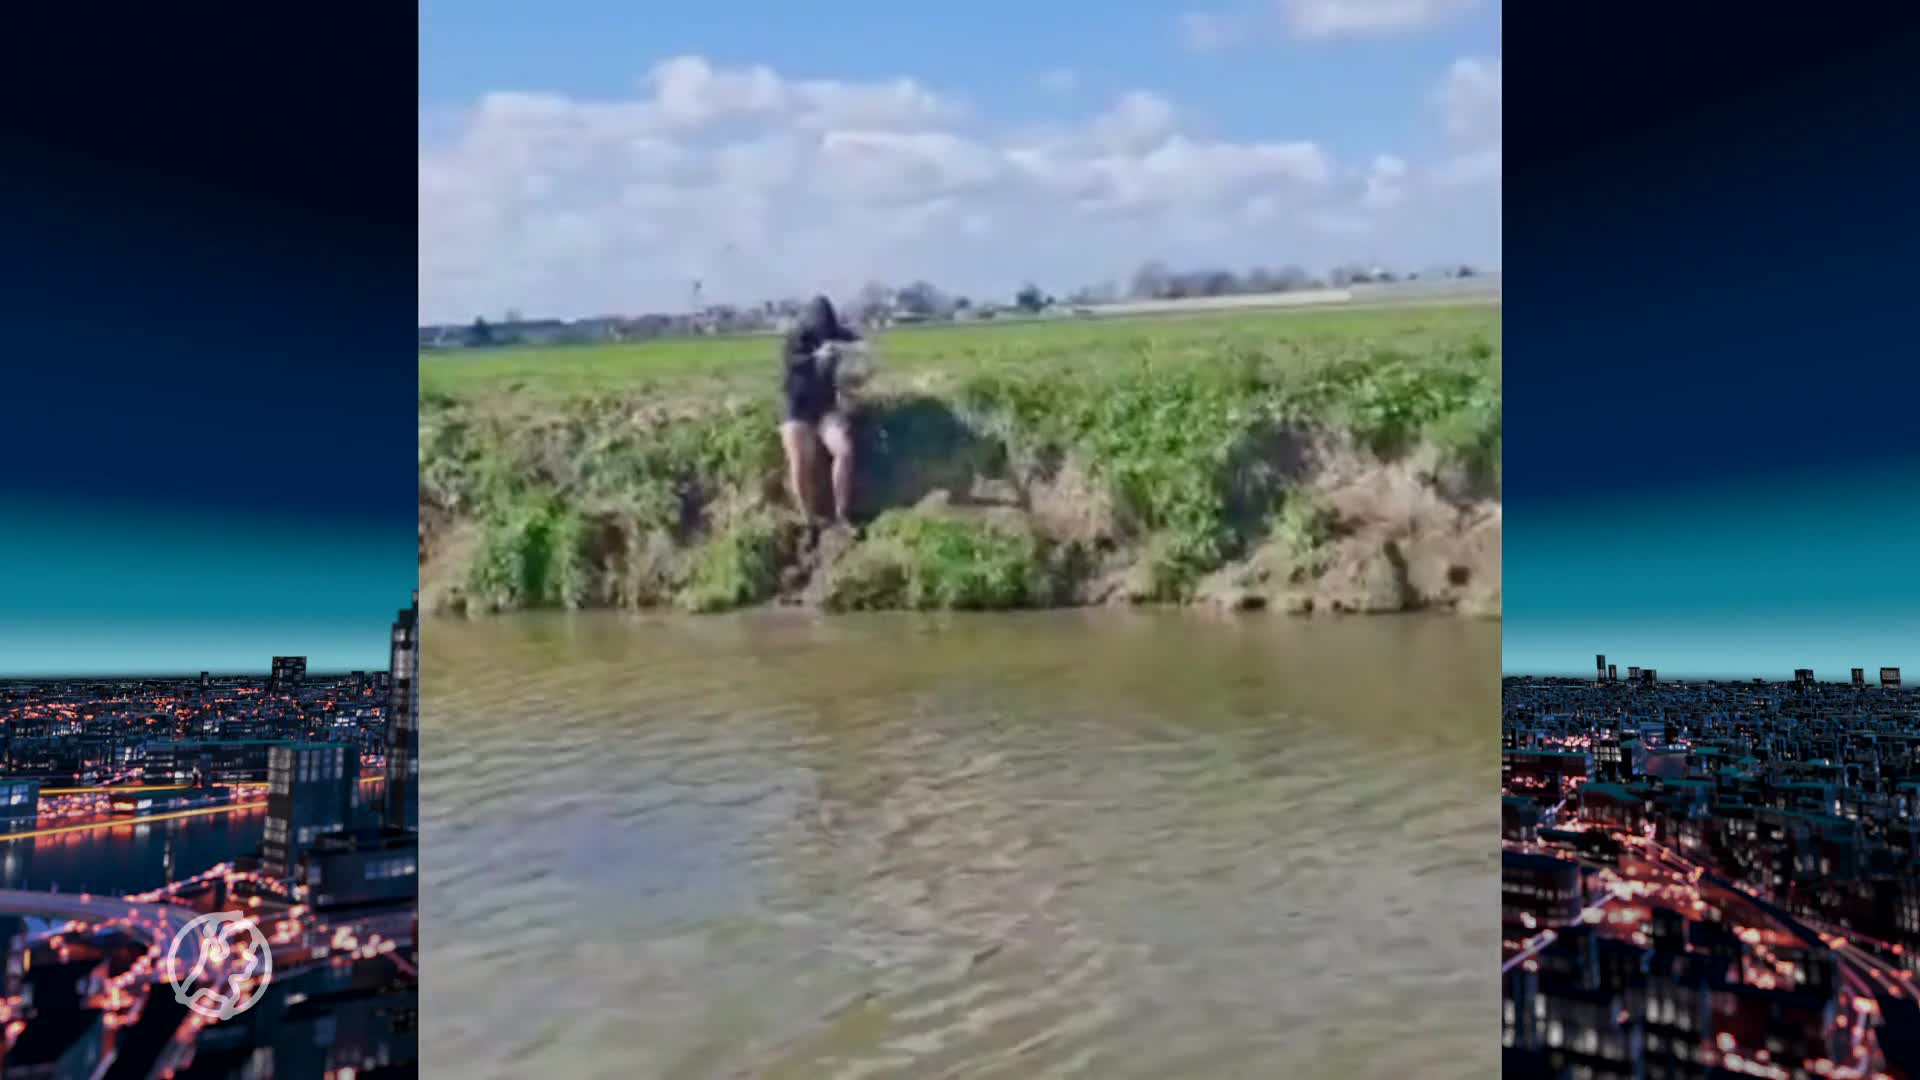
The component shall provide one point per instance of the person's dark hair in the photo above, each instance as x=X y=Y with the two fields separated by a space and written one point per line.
x=822 y=321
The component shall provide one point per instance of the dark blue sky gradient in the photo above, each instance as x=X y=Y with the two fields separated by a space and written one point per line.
x=1712 y=464
x=210 y=269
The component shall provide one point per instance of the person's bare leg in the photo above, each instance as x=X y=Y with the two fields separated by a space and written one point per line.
x=839 y=442
x=796 y=438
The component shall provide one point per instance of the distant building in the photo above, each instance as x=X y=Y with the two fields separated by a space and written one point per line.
x=362 y=868
x=1520 y=818
x=1649 y=676
x=206 y=680
x=1807 y=795
x=1633 y=674
x=288 y=671
x=403 y=718
x=1620 y=758
x=1665 y=763
x=368 y=1026
x=231 y=760
x=1615 y=806
x=1889 y=678
x=1613 y=673
x=311 y=789
x=19 y=804
x=1550 y=891
x=1600 y=667
x=1548 y=770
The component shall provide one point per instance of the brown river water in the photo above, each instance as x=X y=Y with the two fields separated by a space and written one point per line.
x=1058 y=844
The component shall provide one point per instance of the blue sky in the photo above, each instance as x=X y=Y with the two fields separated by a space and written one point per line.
x=211 y=458
x=116 y=588
x=581 y=157
x=1736 y=578
x=1711 y=463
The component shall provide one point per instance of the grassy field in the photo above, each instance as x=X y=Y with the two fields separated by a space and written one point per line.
x=682 y=366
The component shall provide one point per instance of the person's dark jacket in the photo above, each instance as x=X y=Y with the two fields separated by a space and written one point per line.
x=809 y=385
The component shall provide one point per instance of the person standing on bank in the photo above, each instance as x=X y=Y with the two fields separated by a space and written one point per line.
x=811 y=415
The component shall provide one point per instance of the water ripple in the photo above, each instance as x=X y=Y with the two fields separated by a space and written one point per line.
x=1032 y=846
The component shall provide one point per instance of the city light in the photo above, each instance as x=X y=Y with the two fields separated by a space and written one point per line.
x=1733 y=825
x=126 y=762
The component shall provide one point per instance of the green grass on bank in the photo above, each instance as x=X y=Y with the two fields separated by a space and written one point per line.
x=922 y=562
x=604 y=476
x=680 y=366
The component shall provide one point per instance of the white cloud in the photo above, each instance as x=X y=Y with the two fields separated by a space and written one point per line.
x=1451 y=202
x=1207 y=31
x=1137 y=121
x=1212 y=30
x=761 y=186
x=1469 y=100
x=688 y=92
x=1385 y=183
x=1344 y=18
x=1060 y=80
x=1473 y=167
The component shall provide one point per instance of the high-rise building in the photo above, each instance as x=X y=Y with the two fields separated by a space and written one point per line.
x=287 y=673
x=1803 y=676
x=1613 y=673
x=1889 y=678
x=311 y=789
x=361 y=868
x=403 y=719
x=1600 y=667
x=1649 y=675
x=1859 y=678
x=206 y=680
x=1633 y=674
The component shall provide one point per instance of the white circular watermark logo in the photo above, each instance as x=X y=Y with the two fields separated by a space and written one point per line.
x=231 y=965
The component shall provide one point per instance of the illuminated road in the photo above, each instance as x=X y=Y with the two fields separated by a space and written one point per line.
x=157 y=923
x=143 y=819
x=110 y=790
x=1863 y=1001
x=1532 y=947
x=1899 y=1030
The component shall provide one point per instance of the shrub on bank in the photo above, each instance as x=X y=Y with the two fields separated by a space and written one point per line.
x=923 y=561
x=737 y=566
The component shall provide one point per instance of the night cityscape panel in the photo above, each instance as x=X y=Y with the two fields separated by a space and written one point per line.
x=133 y=810
x=1710 y=878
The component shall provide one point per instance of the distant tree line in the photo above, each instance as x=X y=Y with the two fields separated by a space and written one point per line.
x=878 y=303
x=1154 y=281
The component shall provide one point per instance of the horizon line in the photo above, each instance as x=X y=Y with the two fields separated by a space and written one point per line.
x=1588 y=674
x=210 y=673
